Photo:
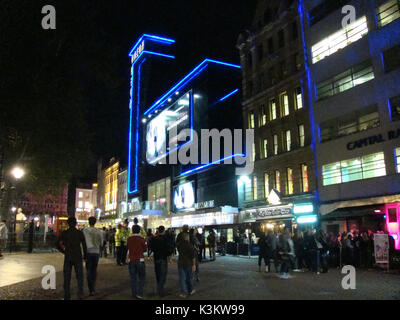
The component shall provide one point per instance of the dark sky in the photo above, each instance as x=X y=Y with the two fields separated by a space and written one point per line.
x=91 y=44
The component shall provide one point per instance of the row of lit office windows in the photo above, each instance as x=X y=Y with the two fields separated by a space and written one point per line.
x=274 y=180
x=273 y=109
x=359 y=168
x=386 y=13
x=287 y=143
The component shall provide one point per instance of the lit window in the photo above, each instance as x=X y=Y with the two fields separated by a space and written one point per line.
x=397 y=153
x=355 y=76
x=254 y=152
x=278 y=180
x=289 y=173
x=80 y=195
x=284 y=100
x=339 y=40
x=304 y=178
x=254 y=188
x=365 y=167
x=288 y=140
x=275 y=144
x=273 y=109
x=87 y=205
x=263 y=118
x=298 y=98
x=251 y=120
x=301 y=135
x=388 y=12
x=265 y=148
x=266 y=185
x=80 y=204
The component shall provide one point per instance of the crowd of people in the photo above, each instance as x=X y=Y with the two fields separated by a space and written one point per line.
x=91 y=243
x=314 y=251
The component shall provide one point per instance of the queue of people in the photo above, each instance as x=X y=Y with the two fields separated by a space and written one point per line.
x=314 y=251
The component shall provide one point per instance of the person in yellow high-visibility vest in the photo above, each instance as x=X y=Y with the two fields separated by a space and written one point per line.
x=121 y=238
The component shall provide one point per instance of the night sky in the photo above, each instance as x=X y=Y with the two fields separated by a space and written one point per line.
x=88 y=52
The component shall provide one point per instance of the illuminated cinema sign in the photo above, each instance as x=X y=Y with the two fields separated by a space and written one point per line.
x=203 y=219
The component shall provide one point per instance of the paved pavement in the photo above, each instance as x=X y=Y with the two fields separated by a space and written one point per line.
x=227 y=278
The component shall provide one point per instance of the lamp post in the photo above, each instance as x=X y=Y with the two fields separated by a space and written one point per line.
x=17 y=173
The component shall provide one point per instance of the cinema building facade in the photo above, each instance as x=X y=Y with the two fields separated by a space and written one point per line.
x=162 y=190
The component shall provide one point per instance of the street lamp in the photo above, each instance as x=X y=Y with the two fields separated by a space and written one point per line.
x=17 y=173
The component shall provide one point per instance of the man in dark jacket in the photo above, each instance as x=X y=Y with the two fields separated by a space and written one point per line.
x=161 y=247
x=69 y=243
x=262 y=253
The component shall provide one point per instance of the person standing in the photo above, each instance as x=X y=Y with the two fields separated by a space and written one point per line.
x=137 y=270
x=262 y=253
x=299 y=250
x=271 y=251
x=119 y=244
x=160 y=245
x=3 y=236
x=142 y=231
x=111 y=240
x=286 y=252
x=211 y=244
x=70 y=243
x=106 y=236
x=222 y=242
x=93 y=238
x=186 y=265
x=148 y=241
x=196 y=245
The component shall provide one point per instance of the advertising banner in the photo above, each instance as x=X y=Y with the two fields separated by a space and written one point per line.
x=381 y=246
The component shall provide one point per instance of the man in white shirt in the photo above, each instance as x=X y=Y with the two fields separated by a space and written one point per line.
x=94 y=242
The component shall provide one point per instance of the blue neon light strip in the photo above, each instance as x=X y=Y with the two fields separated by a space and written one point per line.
x=300 y=9
x=228 y=95
x=159 y=54
x=204 y=64
x=153 y=38
x=211 y=164
x=159 y=39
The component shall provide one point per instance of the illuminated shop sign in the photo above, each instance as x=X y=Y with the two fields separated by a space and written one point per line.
x=205 y=204
x=138 y=51
x=184 y=197
x=203 y=219
x=379 y=138
x=267 y=212
x=307 y=219
x=303 y=208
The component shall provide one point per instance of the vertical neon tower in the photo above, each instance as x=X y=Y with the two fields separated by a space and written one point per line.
x=148 y=46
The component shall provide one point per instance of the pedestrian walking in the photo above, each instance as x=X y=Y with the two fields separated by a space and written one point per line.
x=71 y=243
x=286 y=252
x=186 y=265
x=161 y=247
x=211 y=244
x=93 y=238
x=3 y=236
x=137 y=269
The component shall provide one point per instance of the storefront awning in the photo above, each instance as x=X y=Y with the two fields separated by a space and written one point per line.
x=325 y=209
